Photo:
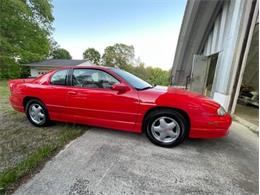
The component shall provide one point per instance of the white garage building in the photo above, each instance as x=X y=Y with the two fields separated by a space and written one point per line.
x=39 y=68
x=218 y=54
x=217 y=49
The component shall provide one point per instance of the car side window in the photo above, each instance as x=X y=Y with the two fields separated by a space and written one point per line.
x=91 y=78
x=59 y=77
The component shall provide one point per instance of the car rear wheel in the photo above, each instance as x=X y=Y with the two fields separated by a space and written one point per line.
x=166 y=127
x=37 y=113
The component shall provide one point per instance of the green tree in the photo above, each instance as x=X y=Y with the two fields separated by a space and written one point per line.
x=25 y=30
x=141 y=71
x=120 y=55
x=155 y=76
x=60 y=53
x=159 y=77
x=92 y=56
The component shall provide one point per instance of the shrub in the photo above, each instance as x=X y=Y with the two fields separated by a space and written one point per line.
x=9 y=69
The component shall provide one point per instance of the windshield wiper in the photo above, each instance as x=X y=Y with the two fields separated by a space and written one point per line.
x=145 y=88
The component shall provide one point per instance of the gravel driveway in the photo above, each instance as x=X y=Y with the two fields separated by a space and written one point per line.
x=112 y=162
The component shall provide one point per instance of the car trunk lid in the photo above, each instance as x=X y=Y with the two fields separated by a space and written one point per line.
x=15 y=82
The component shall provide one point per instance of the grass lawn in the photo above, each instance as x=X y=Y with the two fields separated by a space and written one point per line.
x=23 y=147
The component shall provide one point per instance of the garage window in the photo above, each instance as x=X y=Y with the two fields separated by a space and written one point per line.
x=59 y=77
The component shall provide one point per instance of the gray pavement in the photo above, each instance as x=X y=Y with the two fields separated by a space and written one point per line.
x=103 y=161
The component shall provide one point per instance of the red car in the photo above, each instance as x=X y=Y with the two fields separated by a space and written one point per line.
x=113 y=98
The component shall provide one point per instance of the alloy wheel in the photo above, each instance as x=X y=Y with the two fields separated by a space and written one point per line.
x=37 y=114
x=165 y=129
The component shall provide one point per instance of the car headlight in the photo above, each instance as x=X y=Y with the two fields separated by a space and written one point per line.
x=221 y=111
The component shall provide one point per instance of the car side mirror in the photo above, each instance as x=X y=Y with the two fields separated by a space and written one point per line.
x=120 y=87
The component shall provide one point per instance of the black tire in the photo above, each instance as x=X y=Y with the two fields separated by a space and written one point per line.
x=182 y=123
x=31 y=102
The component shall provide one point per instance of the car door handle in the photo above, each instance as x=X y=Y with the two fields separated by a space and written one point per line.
x=72 y=92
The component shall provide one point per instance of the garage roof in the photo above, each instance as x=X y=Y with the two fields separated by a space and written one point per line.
x=57 y=63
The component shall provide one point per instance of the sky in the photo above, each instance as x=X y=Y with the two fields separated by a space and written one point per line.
x=151 y=26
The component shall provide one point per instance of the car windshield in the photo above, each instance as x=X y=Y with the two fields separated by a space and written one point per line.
x=133 y=80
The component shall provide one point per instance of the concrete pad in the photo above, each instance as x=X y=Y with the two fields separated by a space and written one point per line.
x=103 y=161
x=247 y=116
x=248 y=113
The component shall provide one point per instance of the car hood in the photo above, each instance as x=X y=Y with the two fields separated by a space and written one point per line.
x=174 y=90
x=166 y=95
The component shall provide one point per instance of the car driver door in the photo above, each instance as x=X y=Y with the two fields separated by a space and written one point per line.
x=93 y=101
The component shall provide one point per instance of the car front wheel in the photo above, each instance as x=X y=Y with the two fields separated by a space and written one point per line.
x=166 y=127
x=37 y=113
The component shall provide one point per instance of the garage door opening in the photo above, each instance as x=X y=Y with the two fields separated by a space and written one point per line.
x=203 y=74
x=247 y=107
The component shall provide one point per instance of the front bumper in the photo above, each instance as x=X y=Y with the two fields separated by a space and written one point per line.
x=211 y=127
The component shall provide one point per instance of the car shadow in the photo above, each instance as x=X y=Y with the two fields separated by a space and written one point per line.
x=227 y=143
x=131 y=136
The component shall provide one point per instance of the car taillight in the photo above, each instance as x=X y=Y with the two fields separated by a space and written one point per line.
x=11 y=86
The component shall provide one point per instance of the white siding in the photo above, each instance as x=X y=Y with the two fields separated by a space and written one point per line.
x=214 y=43
x=37 y=71
x=86 y=64
x=226 y=38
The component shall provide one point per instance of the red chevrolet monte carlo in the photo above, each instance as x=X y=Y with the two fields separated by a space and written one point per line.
x=113 y=98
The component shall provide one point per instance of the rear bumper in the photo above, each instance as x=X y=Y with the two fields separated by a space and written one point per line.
x=212 y=127
x=16 y=103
